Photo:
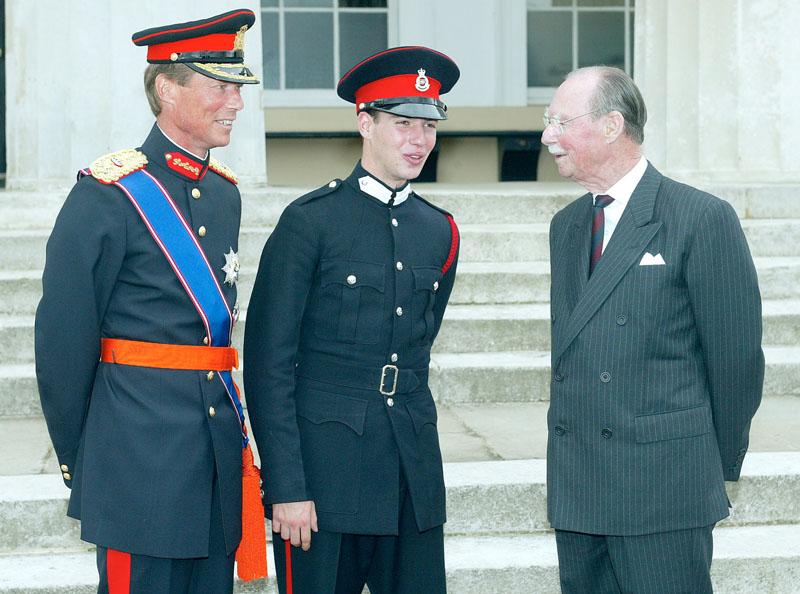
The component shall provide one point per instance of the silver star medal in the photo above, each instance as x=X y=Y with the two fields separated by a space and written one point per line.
x=231 y=268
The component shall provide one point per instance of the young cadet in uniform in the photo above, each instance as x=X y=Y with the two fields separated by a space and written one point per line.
x=133 y=352
x=350 y=294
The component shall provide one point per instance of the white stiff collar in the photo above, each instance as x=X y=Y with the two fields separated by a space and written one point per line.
x=381 y=191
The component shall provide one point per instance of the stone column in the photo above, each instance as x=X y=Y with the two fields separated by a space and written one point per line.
x=74 y=87
x=721 y=88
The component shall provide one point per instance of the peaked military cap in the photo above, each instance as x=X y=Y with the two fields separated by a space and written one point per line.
x=405 y=81
x=213 y=47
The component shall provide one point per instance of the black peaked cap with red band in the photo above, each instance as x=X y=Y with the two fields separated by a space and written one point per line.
x=213 y=47
x=405 y=81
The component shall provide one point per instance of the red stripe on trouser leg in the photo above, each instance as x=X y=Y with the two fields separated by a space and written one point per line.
x=118 y=571
x=288 y=567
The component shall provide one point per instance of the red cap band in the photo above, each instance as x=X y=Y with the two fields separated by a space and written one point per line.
x=216 y=42
x=400 y=85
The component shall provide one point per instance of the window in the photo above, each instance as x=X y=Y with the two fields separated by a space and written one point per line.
x=309 y=44
x=568 y=34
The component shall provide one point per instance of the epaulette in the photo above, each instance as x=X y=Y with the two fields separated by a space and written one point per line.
x=331 y=186
x=223 y=170
x=432 y=205
x=114 y=166
x=455 y=236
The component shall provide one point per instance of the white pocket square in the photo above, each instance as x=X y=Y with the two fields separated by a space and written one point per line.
x=650 y=260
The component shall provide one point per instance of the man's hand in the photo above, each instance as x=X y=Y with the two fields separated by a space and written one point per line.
x=295 y=521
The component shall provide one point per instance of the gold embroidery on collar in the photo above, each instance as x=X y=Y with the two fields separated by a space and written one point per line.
x=185 y=165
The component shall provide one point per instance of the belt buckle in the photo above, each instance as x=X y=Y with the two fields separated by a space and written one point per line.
x=383 y=379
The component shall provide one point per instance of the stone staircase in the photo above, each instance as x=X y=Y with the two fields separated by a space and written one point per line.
x=490 y=374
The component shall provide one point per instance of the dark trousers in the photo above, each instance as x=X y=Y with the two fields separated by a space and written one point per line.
x=410 y=563
x=126 y=573
x=677 y=562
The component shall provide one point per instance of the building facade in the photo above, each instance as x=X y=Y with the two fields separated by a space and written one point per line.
x=715 y=75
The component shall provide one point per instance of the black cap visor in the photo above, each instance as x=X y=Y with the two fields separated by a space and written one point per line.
x=410 y=107
x=233 y=73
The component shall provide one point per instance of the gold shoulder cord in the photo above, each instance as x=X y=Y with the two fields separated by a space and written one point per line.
x=114 y=166
x=223 y=170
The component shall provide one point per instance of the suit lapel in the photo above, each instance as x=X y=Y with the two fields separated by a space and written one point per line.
x=579 y=244
x=633 y=233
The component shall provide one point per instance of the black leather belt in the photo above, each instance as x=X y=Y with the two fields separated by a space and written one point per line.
x=387 y=380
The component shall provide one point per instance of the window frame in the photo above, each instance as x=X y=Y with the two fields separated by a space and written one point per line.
x=543 y=95
x=283 y=97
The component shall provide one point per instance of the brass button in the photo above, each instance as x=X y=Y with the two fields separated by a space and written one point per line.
x=351 y=279
x=195 y=193
x=399 y=311
x=435 y=285
x=212 y=412
x=210 y=376
x=394 y=357
x=390 y=402
x=173 y=56
x=64 y=468
x=67 y=476
x=394 y=222
x=168 y=156
x=205 y=340
x=201 y=231
x=399 y=265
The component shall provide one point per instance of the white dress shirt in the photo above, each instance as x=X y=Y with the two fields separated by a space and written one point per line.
x=621 y=193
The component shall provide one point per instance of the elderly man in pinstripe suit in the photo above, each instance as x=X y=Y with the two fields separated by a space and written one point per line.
x=657 y=367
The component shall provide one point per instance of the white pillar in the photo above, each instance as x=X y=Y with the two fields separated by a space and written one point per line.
x=486 y=39
x=721 y=87
x=74 y=87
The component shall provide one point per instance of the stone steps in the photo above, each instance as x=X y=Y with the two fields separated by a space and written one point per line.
x=478 y=283
x=509 y=202
x=764 y=559
x=466 y=329
x=25 y=248
x=455 y=378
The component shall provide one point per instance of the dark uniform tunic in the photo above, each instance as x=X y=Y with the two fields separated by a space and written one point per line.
x=348 y=284
x=139 y=447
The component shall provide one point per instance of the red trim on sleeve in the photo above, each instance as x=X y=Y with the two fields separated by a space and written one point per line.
x=192 y=28
x=118 y=571
x=453 y=245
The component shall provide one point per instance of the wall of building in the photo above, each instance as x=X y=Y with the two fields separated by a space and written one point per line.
x=74 y=86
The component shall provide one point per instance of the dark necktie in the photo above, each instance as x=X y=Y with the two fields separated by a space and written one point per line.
x=598 y=228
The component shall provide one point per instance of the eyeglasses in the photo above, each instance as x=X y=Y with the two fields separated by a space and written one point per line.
x=559 y=125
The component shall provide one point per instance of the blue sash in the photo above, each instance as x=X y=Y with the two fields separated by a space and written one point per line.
x=173 y=235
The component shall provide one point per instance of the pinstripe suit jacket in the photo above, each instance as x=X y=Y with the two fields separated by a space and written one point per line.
x=657 y=370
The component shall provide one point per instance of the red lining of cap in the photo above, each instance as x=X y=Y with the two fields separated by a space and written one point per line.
x=400 y=85
x=215 y=42
x=225 y=18
x=390 y=51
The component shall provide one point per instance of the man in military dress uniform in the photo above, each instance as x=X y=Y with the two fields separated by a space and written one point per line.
x=132 y=335
x=350 y=294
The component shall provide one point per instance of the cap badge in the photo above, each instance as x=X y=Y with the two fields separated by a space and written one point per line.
x=238 y=40
x=422 y=84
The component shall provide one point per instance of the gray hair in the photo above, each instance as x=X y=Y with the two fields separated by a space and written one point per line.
x=180 y=73
x=616 y=91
